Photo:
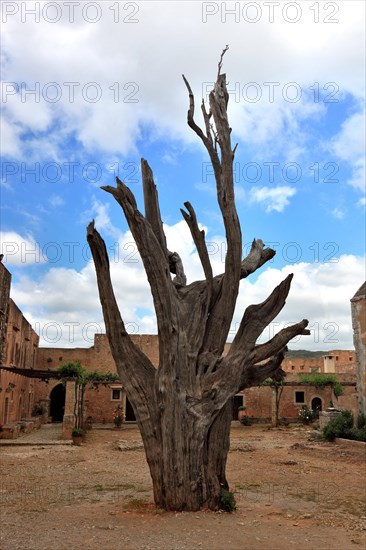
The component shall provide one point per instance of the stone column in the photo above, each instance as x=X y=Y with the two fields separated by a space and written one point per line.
x=69 y=417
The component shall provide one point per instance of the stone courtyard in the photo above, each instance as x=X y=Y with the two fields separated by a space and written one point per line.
x=292 y=490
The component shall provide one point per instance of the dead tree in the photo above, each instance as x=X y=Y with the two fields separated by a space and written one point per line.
x=183 y=408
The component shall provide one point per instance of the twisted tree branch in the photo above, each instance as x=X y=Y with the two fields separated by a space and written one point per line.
x=199 y=240
x=272 y=347
x=257 y=317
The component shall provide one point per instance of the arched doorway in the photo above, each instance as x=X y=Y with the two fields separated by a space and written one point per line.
x=129 y=412
x=20 y=408
x=316 y=405
x=57 y=403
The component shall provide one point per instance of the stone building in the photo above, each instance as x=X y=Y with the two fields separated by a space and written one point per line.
x=28 y=373
x=5 y=282
x=100 y=404
x=358 y=308
x=260 y=401
x=19 y=345
x=335 y=361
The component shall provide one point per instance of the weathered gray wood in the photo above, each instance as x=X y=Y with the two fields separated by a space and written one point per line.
x=152 y=215
x=183 y=408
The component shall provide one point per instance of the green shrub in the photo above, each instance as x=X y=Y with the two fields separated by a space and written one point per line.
x=361 y=420
x=39 y=410
x=319 y=380
x=338 y=389
x=356 y=434
x=339 y=426
x=227 y=500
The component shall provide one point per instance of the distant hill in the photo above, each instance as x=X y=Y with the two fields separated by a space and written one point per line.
x=304 y=353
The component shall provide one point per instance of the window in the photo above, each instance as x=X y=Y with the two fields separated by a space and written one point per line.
x=302 y=367
x=351 y=358
x=336 y=357
x=292 y=367
x=116 y=394
x=299 y=397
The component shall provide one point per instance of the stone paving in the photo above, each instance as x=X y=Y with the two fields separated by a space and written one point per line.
x=48 y=434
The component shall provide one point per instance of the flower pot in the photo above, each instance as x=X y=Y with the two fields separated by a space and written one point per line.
x=241 y=415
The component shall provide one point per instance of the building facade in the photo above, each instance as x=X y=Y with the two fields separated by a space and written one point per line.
x=20 y=392
x=259 y=401
x=358 y=308
x=19 y=346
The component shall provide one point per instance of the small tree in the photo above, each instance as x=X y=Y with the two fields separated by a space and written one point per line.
x=183 y=408
x=73 y=370
x=276 y=382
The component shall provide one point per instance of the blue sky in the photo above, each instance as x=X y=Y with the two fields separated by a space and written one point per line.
x=107 y=90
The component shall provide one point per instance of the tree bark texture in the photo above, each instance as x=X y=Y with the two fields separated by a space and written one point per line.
x=183 y=408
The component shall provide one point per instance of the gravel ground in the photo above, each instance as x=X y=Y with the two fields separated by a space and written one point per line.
x=290 y=492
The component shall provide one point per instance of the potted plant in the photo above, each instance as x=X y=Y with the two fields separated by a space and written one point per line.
x=118 y=416
x=77 y=435
x=39 y=409
x=241 y=412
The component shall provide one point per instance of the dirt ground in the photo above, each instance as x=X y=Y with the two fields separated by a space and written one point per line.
x=290 y=492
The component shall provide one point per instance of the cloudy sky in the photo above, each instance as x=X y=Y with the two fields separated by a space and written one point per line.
x=91 y=87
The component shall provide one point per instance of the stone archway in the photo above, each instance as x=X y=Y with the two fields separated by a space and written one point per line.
x=316 y=405
x=57 y=403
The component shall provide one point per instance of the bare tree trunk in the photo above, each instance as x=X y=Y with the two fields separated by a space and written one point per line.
x=183 y=408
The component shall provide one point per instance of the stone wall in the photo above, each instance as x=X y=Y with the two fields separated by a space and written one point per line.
x=358 y=308
x=101 y=403
x=5 y=282
x=17 y=395
x=333 y=362
x=260 y=402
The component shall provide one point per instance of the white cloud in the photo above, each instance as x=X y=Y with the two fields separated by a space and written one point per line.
x=56 y=201
x=64 y=303
x=100 y=213
x=320 y=292
x=338 y=214
x=275 y=127
x=10 y=138
x=349 y=145
x=113 y=59
x=274 y=198
x=18 y=250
